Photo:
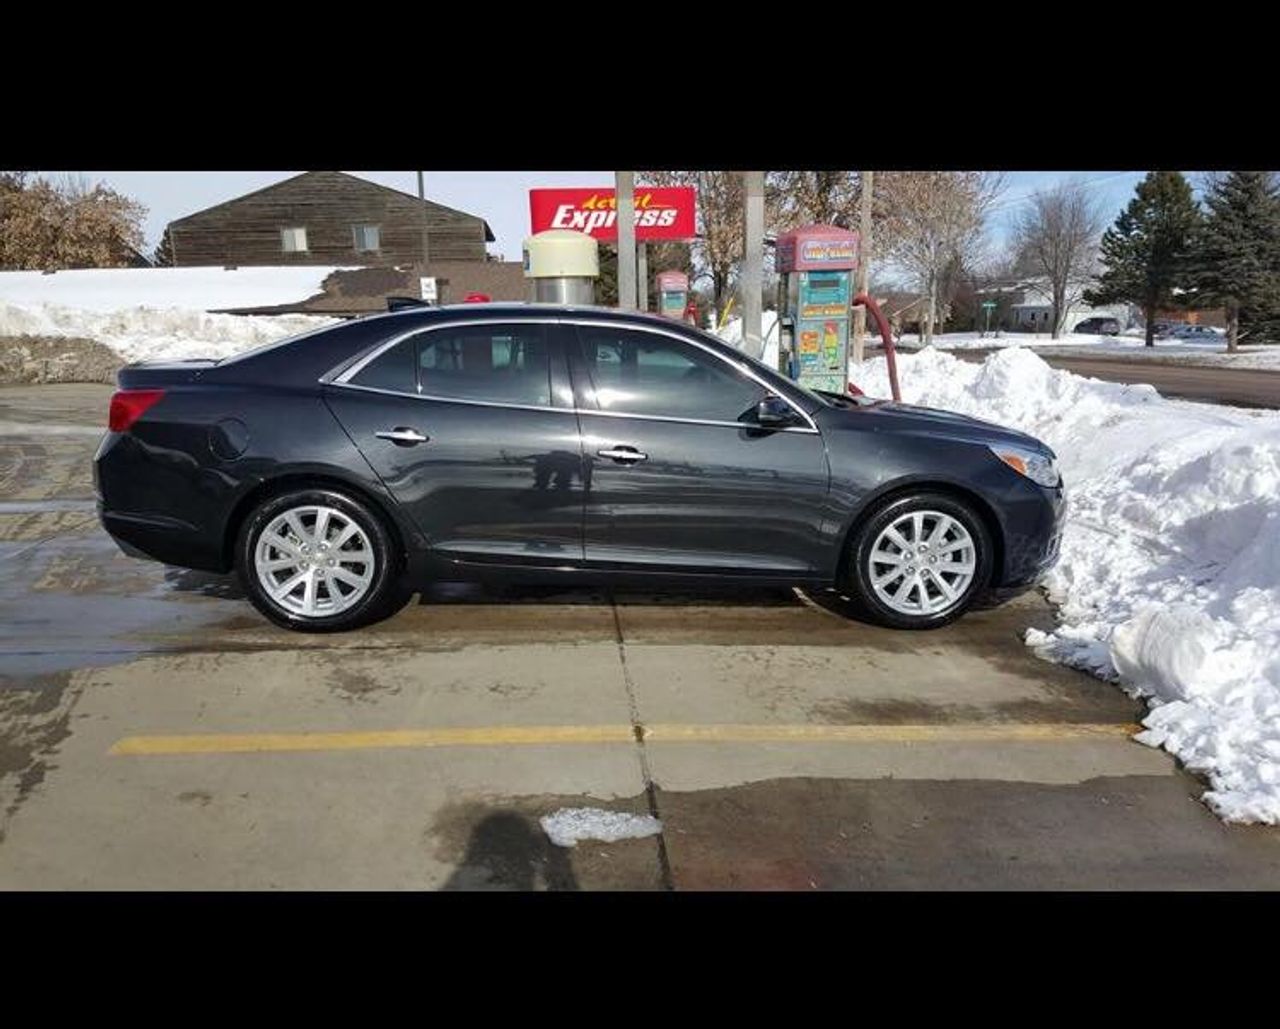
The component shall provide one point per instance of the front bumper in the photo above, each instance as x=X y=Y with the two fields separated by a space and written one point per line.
x=1034 y=523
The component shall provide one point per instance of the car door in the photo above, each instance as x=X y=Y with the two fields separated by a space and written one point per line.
x=679 y=476
x=470 y=425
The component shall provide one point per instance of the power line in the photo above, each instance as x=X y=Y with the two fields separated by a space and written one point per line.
x=1086 y=183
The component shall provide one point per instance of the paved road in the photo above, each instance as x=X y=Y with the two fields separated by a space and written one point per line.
x=1244 y=387
x=156 y=733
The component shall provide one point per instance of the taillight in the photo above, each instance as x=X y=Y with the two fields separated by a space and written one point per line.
x=128 y=405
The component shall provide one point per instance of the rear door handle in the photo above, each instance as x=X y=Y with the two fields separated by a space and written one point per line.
x=403 y=436
x=626 y=455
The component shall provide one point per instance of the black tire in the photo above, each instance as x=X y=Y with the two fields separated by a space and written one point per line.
x=385 y=594
x=869 y=605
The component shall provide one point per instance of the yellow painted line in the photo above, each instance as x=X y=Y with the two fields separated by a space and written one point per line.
x=513 y=735
x=931 y=733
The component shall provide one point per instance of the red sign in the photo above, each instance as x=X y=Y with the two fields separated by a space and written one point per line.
x=662 y=212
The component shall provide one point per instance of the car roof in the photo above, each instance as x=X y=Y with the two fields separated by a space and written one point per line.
x=518 y=309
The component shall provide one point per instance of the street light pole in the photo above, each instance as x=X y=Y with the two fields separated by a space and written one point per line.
x=864 y=260
x=625 y=193
x=422 y=206
x=753 y=264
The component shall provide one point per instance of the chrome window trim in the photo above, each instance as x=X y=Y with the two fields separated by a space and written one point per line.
x=563 y=410
x=693 y=421
x=451 y=400
x=344 y=378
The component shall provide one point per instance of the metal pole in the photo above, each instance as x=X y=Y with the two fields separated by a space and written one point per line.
x=642 y=274
x=753 y=264
x=625 y=193
x=422 y=197
x=864 y=262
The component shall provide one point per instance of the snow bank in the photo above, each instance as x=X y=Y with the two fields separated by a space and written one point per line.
x=150 y=334
x=570 y=824
x=197 y=289
x=1169 y=580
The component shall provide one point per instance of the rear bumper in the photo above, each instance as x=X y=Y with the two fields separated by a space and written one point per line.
x=146 y=505
x=158 y=538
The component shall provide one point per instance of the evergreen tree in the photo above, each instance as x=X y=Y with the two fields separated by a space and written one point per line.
x=1145 y=253
x=163 y=255
x=1238 y=252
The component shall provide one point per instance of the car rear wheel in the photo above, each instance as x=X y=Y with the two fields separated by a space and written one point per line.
x=318 y=560
x=919 y=561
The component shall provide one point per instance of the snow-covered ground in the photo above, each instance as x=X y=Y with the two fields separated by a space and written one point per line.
x=150 y=334
x=1169 y=580
x=1185 y=351
x=570 y=824
x=195 y=289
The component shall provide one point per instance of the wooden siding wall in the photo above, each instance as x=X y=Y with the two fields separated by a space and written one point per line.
x=246 y=231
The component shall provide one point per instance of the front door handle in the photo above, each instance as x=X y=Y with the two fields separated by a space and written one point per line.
x=624 y=455
x=403 y=436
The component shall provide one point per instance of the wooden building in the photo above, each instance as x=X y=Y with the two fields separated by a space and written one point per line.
x=326 y=217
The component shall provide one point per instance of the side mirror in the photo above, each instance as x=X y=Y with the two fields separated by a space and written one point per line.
x=773 y=412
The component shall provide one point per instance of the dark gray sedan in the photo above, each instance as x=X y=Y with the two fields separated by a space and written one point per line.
x=337 y=470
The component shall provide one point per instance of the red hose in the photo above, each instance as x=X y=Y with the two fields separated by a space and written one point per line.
x=889 y=355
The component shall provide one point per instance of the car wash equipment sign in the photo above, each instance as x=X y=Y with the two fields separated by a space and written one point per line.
x=662 y=212
x=817 y=264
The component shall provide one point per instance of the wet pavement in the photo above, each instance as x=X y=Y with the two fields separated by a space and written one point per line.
x=156 y=733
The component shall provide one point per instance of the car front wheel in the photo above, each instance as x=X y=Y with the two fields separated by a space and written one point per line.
x=318 y=560
x=919 y=561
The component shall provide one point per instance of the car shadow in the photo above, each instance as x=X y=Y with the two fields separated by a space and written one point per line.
x=204 y=584
x=462 y=593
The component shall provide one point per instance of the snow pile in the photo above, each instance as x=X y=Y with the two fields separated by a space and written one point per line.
x=570 y=824
x=151 y=334
x=731 y=333
x=197 y=289
x=1169 y=579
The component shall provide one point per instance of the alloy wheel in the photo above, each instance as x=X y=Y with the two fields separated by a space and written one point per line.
x=314 y=561
x=922 y=563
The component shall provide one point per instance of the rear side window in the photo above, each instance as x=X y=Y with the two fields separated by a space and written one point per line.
x=508 y=364
x=392 y=370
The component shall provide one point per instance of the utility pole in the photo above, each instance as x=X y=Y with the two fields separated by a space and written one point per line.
x=642 y=275
x=422 y=206
x=753 y=264
x=625 y=193
x=864 y=261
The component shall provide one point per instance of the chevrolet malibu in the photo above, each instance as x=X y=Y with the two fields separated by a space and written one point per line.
x=337 y=470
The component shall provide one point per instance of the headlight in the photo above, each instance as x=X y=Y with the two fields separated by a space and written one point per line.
x=1036 y=466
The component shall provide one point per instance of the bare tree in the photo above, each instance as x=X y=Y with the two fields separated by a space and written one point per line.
x=47 y=226
x=825 y=197
x=718 y=250
x=935 y=223
x=1057 y=235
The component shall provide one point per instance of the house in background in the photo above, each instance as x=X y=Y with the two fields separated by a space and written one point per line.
x=1025 y=305
x=332 y=218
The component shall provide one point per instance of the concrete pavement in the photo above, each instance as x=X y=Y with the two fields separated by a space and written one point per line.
x=783 y=745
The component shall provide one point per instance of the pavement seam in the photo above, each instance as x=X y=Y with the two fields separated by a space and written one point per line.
x=637 y=728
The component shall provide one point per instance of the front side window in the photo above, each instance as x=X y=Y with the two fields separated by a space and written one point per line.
x=293 y=240
x=367 y=238
x=644 y=373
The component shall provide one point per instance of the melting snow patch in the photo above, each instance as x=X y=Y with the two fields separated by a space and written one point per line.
x=571 y=824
